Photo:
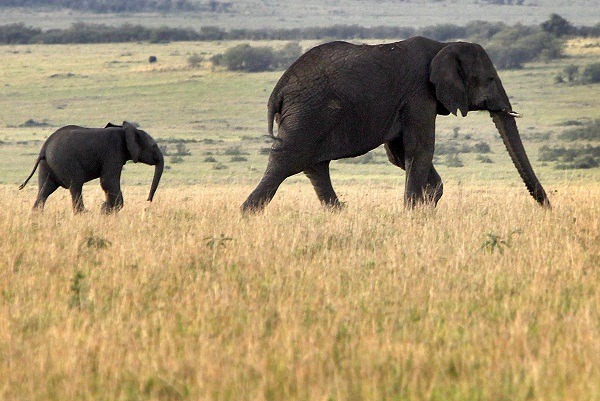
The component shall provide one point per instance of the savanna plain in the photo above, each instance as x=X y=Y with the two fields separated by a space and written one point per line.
x=486 y=297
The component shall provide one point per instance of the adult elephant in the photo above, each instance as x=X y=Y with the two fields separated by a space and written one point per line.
x=342 y=100
x=74 y=155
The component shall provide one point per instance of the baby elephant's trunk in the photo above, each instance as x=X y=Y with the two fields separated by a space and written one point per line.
x=160 y=164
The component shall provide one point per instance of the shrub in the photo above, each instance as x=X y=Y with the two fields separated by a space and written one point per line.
x=453 y=160
x=513 y=46
x=571 y=72
x=238 y=159
x=220 y=166
x=482 y=147
x=210 y=159
x=450 y=148
x=591 y=74
x=182 y=150
x=176 y=159
x=195 y=60
x=286 y=56
x=234 y=151
x=217 y=60
x=247 y=58
x=33 y=123
x=484 y=159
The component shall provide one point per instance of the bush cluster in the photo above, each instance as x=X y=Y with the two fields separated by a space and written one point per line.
x=574 y=75
x=513 y=46
x=455 y=147
x=571 y=158
x=244 y=57
x=587 y=132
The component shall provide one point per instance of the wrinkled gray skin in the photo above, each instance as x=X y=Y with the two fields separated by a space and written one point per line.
x=74 y=155
x=341 y=100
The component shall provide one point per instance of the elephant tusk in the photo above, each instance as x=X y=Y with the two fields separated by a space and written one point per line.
x=515 y=114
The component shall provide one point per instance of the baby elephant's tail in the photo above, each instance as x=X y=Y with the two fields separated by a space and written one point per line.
x=32 y=172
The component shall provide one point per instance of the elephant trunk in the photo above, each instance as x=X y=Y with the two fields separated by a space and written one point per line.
x=158 y=169
x=507 y=127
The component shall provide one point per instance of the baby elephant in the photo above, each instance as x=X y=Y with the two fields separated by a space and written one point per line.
x=74 y=155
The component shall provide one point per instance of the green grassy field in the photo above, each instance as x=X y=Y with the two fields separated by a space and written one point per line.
x=487 y=297
x=222 y=111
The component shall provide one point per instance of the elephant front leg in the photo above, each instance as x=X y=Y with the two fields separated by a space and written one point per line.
x=321 y=181
x=423 y=183
x=114 y=196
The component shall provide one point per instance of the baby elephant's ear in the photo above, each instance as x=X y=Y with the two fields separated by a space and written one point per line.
x=132 y=141
x=447 y=76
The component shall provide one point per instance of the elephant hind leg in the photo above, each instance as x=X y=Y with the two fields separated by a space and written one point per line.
x=274 y=175
x=76 y=190
x=46 y=186
x=321 y=181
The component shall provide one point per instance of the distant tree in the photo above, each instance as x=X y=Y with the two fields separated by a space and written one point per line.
x=558 y=26
x=17 y=34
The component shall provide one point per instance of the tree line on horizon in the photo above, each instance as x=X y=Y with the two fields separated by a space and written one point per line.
x=509 y=46
x=108 y=6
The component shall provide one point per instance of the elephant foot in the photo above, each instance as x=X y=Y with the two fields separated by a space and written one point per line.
x=334 y=206
x=108 y=209
x=251 y=207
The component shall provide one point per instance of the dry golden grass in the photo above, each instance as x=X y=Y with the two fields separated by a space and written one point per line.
x=488 y=297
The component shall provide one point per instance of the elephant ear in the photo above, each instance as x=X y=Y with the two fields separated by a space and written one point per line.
x=111 y=125
x=132 y=141
x=448 y=78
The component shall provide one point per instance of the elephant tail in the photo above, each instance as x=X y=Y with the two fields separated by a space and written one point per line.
x=274 y=112
x=40 y=158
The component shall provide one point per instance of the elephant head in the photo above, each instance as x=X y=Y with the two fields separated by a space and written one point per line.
x=143 y=148
x=465 y=80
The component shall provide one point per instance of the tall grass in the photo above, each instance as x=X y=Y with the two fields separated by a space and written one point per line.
x=487 y=297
